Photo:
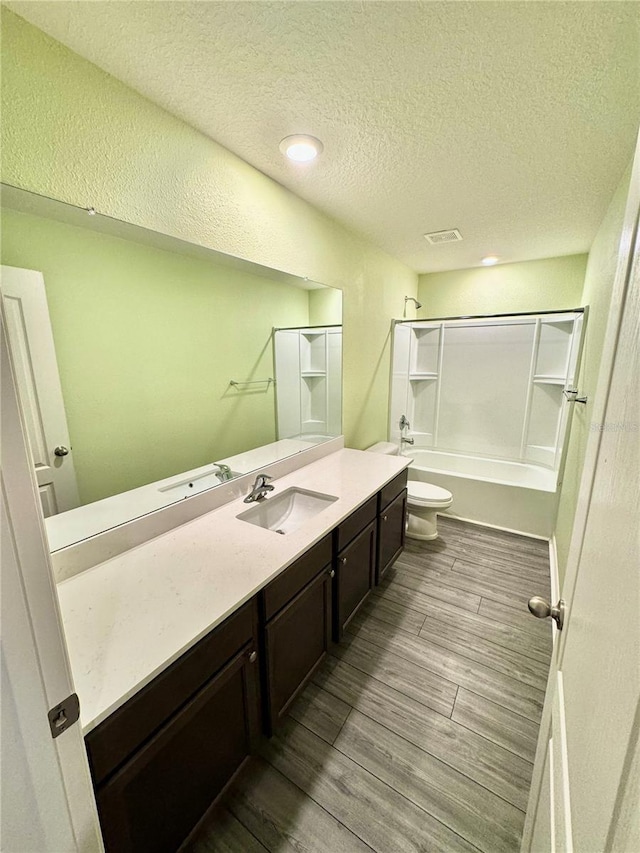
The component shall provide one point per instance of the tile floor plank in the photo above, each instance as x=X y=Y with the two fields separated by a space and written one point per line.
x=224 y=833
x=404 y=618
x=499 y=725
x=510 y=662
x=454 y=545
x=514 y=583
x=442 y=591
x=423 y=579
x=372 y=810
x=516 y=541
x=488 y=764
x=503 y=689
x=283 y=818
x=321 y=712
x=395 y=671
x=538 y=648
x=470 y=810
x=517 y=617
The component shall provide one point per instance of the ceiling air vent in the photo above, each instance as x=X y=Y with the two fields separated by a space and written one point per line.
x=452 y=235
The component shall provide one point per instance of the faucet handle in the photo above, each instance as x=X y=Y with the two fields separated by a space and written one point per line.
x=264 y=477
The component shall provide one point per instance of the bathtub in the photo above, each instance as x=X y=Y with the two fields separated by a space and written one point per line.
x=515 y=496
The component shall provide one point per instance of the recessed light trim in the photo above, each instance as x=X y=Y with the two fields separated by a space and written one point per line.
x=301 y=148
x=490 y=260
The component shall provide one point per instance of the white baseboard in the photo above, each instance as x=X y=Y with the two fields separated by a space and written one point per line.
x=555 y=580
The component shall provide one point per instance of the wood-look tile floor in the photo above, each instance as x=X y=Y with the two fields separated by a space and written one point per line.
x=418 y=732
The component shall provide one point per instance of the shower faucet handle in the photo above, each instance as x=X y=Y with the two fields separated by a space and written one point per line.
x=404 y=423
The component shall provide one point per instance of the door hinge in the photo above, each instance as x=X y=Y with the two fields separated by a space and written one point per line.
x=64 y=715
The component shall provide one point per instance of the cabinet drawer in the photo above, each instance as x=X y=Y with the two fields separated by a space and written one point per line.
x=281 y=590
x=154 y=801
x=393 y=489
x=126 y=729
x=356 y=522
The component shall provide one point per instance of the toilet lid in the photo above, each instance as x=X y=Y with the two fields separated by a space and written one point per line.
x=426 y=493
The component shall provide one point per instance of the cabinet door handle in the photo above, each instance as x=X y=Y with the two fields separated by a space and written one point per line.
x=253 y=657
x=343 y=561
x=332 y=573
x=384 y=517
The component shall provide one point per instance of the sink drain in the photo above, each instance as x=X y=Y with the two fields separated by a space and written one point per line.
x=280 y=531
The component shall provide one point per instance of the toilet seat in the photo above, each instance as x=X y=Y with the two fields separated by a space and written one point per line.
x=428 y=495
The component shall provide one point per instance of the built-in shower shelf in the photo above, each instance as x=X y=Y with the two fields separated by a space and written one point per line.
x=419 y=377
x=549 y=380
x=313 y=374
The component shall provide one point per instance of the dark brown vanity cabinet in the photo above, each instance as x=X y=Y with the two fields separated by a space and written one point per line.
x=160 y=761
x=297 y=628
x=355 y=563
x=392 y=515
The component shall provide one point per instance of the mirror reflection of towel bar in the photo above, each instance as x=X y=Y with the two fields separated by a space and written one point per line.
x=253 y=381
x=572 y=396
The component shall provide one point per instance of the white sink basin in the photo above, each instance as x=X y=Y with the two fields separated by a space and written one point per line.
x=287 y=511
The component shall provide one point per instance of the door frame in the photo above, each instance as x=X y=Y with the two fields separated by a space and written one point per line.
x=628 y=249
x=34 y=649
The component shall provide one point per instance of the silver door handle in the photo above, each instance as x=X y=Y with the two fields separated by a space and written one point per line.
x=541 y=609
x=61 y=450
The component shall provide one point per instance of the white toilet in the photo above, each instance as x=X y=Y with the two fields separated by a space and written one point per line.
x=424 y=500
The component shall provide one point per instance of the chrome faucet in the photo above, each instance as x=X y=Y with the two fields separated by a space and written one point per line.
x=260 y=489
x=407 y=440
x=224 y=472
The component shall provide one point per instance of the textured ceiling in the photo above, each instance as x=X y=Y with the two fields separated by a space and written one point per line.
x=510 y=121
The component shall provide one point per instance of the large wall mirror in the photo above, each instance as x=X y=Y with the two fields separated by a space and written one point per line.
x=151 y=369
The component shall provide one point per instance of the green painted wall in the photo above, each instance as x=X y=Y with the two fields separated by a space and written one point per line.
x=147 y=342
x=325 y=307
x=73 y=132
x=597 y=291
x=548 y=284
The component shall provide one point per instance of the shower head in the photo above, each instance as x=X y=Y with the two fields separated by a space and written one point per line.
x=411 y=299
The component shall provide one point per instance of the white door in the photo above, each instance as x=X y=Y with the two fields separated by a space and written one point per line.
x=47 y=798
x=34 y=357
x=584 y=794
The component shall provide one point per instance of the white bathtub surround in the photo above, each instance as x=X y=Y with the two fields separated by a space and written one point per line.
x=516 y=496
x=482 y=402
x=128 y=618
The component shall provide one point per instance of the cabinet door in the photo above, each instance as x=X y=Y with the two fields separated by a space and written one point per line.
x=296 y=640
x=159 y=795
x=391 y=533
x=355 y=569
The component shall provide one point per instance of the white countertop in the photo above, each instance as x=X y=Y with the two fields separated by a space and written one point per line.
x=128 y=618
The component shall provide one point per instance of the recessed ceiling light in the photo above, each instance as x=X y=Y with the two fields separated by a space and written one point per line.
x=490 y=260
x=301 y=148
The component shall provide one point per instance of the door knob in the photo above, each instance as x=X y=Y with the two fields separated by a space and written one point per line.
x=61 y=450
x=541 y=609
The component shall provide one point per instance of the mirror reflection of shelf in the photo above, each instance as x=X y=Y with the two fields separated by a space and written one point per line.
x=308 y=368
x=550 y=380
